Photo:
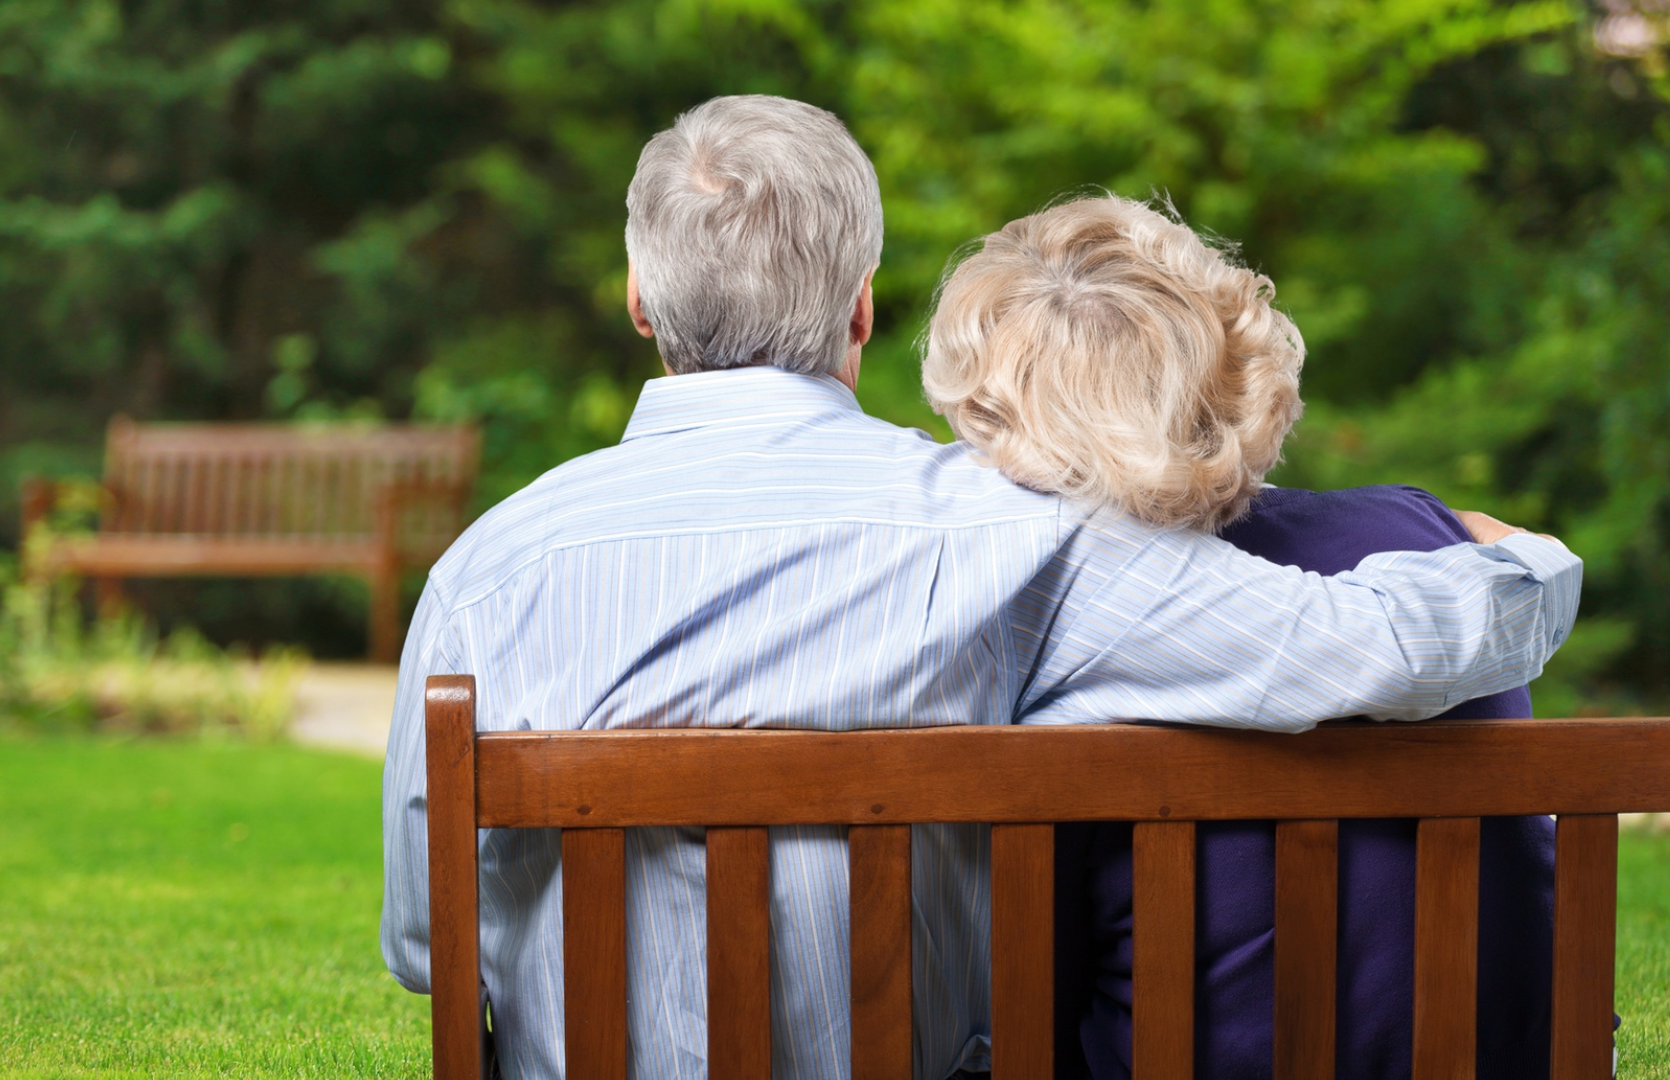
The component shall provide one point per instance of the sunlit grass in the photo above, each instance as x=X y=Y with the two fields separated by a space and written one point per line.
x=182 y=909
x=191 y=909
x=1644 y=955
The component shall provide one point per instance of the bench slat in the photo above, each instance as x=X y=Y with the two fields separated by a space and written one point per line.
x=1023 y=952
x=738 y=954
x=594 y=952
x=879 y=879
x=454 y=960
x=200 y=478
x=1163 y=962
x=1585 y=928
x=154 y=487
x=1307 y=912
x=1446 y=947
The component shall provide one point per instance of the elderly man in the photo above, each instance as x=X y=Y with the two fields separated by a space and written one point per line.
x=758 y=552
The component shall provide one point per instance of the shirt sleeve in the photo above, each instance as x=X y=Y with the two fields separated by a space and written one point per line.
x=1180 y=626
x=405 y=922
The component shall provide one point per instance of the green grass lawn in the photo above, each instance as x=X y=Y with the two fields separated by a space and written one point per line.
x=182 y=909
x=189 y=909
x=1644 y=956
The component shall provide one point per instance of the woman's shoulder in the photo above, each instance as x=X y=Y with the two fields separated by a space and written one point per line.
x=1407 y=506
x=1331 y=531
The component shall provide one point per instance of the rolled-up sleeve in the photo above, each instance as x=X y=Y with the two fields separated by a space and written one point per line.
x=1185 y=627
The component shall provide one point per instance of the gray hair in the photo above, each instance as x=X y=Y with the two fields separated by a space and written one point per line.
x=752 y=223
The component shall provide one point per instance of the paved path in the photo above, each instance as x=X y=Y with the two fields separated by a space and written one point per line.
x=345 y=707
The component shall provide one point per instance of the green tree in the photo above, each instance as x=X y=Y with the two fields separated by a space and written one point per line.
x=344 y=207
x=208 y=210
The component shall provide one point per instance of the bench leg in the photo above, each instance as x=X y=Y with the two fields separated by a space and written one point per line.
x=385 y=614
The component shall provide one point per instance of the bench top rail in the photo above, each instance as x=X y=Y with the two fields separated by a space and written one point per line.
x=1126 y=772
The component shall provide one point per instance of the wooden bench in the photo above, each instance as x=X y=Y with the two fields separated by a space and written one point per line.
x=242 y=500
x=595 y=784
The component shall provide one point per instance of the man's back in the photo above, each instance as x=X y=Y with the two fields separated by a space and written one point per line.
x=756 y=553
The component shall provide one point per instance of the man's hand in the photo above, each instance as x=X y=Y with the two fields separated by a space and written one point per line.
x=1487 y=530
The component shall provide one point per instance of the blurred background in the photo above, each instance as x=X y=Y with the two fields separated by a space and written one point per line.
x=413 y=209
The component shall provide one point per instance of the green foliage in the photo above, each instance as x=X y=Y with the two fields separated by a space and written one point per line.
x=185 y=188
x=1565 y=428
x=355 y=207
x=190 y=909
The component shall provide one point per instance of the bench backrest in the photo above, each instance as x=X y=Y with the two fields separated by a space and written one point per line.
x=595 y=784
x=276 y=481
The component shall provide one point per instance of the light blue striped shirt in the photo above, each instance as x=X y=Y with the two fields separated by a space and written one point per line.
x=757 y=552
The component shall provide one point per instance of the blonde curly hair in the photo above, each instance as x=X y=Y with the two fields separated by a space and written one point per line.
x=1100 y=350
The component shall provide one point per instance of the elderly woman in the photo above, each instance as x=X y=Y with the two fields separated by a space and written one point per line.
x=1100 y=350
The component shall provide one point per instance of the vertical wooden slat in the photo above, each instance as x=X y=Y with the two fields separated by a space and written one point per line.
x=330 y=508
x=237 y=493
x=1023 y=952
x=325 y=467
x=880 y=932
x=156 y=493
x=324 y=470
x=1307 y=913
x=1163 y=922
x=1446 y=947
x=137 y=491
x=161 y=490
x=194 y=508
x=155 y=487
x=738 y=954
x=271 y=513
x=208 y=469
x=261 y=511
x=249 y=485
x=179 y=466
x=1585 y=929
x=225 y=484
x=455 y=968
x=311 y=493
x=283 y=474
x=190 y=492
x=594 y=952
x=294 y=484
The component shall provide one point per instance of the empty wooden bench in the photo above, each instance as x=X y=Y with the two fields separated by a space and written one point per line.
x=240 y=500
x=595 y=784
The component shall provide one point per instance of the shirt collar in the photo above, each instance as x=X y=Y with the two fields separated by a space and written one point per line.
x=715 y=398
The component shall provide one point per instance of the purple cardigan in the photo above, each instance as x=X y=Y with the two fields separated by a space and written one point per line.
x=1326 y=532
